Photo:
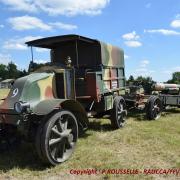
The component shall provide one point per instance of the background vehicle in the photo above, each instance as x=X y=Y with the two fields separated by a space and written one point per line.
x=152 y=98
x=51 y=105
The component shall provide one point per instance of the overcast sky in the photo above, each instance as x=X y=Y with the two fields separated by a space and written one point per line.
x=147 y=30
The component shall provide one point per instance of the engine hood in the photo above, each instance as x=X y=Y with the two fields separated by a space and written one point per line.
x=32 y=89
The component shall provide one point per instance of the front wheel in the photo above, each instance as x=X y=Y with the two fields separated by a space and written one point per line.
x=118 y=113
x=57 y=137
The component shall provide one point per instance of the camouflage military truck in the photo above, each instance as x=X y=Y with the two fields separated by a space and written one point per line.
x=50 y=107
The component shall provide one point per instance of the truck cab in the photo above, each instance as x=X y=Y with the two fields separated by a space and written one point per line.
x=90 y=71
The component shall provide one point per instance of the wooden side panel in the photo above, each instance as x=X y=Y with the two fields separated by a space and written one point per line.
x=92 y=87
x=113 y=78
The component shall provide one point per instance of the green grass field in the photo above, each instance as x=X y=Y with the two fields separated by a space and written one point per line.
x=140 y=145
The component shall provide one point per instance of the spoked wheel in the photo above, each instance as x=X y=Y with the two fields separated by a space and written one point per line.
x=154 y=108
x=118 y=113
x=56 y=139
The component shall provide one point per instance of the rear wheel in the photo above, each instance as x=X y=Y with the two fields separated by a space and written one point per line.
x=118 y=113
x=154 y=108
x=57 y=137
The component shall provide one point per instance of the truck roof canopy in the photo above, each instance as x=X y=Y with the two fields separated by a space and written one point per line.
x=82 y=50
x=52 y=42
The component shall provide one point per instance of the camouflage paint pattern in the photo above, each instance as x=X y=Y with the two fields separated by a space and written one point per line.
x=111 y=56
x=32 y=89
x=113 y=67
x=110 y=80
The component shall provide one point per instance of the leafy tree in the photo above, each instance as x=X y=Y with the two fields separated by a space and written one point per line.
x=145 y=82
x=131 y=78
x=142 y=79
x=175 y=78
x=3 y=71
x=10 y=71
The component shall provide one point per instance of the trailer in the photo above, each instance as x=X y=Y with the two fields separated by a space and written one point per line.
x=50 y=107
x=152 y=98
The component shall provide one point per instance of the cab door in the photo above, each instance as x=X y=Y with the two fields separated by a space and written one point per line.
x=70 y=83
x=65 y=86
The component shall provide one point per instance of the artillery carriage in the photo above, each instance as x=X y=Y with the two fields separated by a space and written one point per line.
x=152 y=98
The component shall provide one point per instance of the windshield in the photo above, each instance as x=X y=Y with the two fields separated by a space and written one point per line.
x=39 y=57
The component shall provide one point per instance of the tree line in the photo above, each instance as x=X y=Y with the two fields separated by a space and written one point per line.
x=175 y=78
x=140 y=80
x=10 y=71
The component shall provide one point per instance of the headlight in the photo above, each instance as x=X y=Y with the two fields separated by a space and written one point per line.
x=21 y=106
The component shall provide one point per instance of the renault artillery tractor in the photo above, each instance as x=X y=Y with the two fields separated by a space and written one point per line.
x=51 y=105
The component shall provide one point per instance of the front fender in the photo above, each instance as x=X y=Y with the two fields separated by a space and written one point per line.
x=45 y=107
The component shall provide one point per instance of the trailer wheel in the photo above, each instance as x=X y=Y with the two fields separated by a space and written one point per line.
x=118 y=113
x=153 y=108
x=57 y=137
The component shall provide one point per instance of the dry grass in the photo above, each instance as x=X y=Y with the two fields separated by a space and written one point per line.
x=140 y=144
x=3 y=93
